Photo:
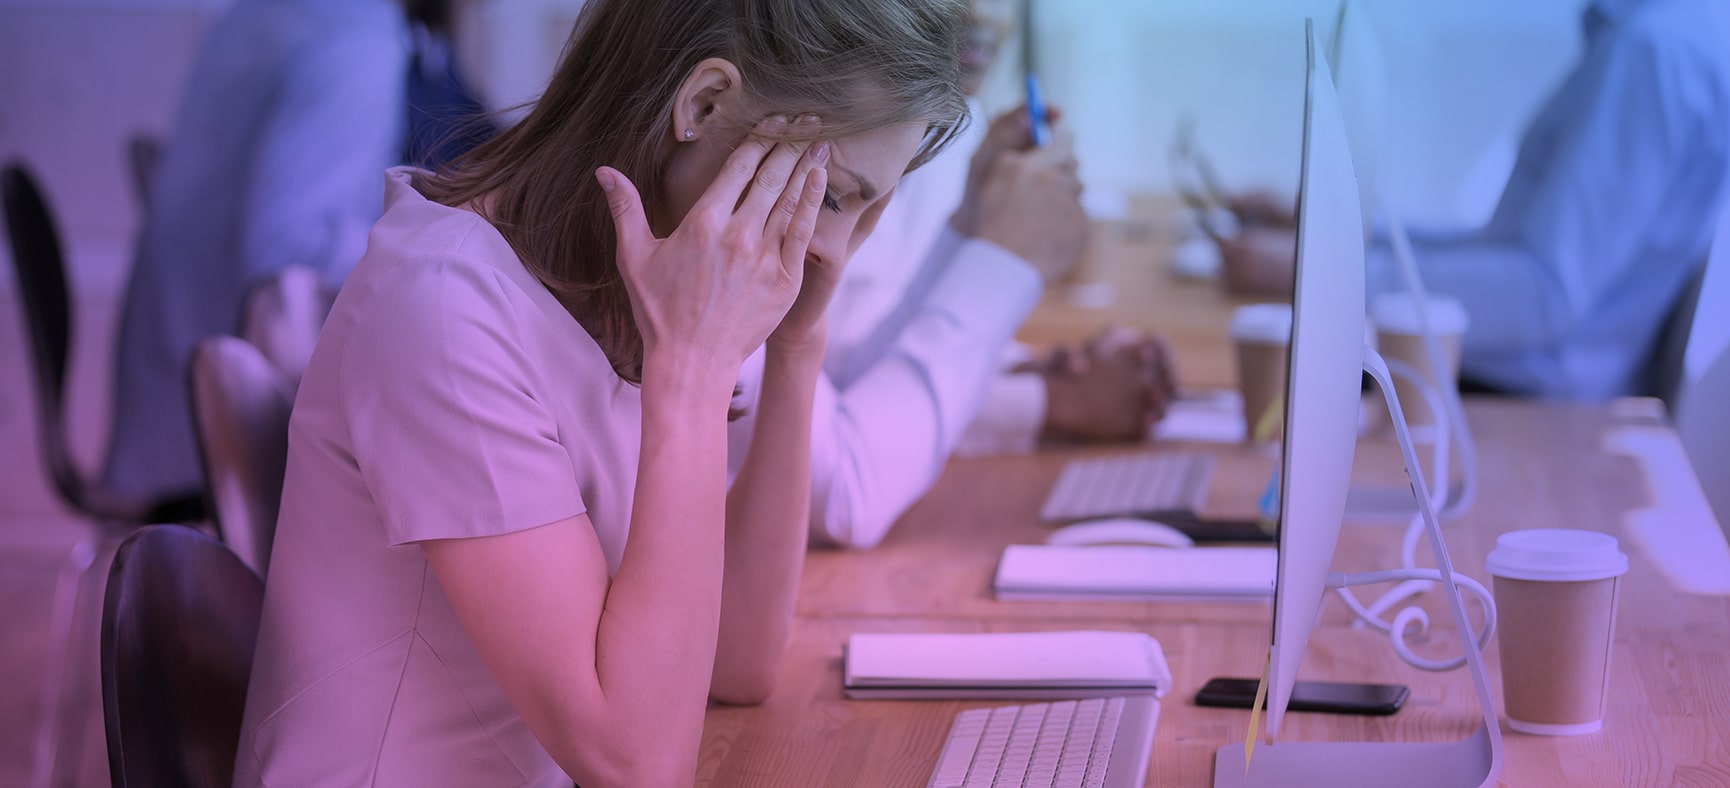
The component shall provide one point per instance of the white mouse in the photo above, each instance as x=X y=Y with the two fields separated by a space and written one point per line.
x=1119 y=530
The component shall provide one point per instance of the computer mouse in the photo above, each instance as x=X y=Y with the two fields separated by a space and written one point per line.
x=1120 y=530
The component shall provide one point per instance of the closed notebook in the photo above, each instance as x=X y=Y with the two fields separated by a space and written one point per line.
x=1023 y=665
x=1135 y=573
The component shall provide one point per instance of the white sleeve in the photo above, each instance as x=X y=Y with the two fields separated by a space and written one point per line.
x=1009 y=419
x=879 y=440
x=879 y=443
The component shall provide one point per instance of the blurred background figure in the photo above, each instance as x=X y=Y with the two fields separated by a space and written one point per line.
x=921 y=362
x=1604 y=223
x=292 y=112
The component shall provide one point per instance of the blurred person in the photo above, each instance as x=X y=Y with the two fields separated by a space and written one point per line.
x=921 y=361
x=1605 y=219
x=445 y=117
x=507 y=554
x=293 y=111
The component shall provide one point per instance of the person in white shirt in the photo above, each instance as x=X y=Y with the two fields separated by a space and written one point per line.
x=921 y=362
x=1605 y=219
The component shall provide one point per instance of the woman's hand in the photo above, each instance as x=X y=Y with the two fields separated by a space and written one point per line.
x=1114 y=389
x=713 y=290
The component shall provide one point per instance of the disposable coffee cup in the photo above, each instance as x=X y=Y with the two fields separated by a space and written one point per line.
x=1400 y=336
x=1261 y=337
x=1556 y=595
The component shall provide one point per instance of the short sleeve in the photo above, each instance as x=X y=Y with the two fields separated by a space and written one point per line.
x=445 y=406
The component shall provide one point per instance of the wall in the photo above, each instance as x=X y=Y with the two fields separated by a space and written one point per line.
x=78 y=77
x=1461 y=78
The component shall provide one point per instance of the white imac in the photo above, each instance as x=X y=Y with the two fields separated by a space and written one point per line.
x=1327 y=359
x=1363 y=91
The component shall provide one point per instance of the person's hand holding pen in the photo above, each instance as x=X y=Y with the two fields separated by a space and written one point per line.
x=1026 y=198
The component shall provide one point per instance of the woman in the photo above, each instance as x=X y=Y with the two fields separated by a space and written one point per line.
x=506 y=555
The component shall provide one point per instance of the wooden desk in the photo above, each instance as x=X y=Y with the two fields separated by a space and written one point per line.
x=1542 y=465
x=1130 y=256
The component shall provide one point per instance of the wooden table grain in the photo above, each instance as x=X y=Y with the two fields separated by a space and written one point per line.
x=1130 y=259
x=1544 y=465
x=1541 y=465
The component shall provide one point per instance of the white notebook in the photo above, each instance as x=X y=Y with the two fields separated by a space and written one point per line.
x=1126 y=572
x=1020 y=665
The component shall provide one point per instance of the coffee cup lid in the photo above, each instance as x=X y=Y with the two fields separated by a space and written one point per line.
x=1557 y=555
x=1398 y=313
x=1269 y=323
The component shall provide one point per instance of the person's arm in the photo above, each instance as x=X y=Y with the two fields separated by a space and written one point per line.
x=1618 y=186
x=879 y=440
x=456 y=444
x=612 y=678
x=767 y=510
x=315 y=183
x=884 y=427
x=878 y=443
x=1012 y=413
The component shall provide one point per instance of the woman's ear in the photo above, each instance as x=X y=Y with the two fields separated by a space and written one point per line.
x=711 y=92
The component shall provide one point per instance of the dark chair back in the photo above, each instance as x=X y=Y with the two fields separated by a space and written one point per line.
x=47 y=308
x=179 y=621
x=240 y=409
x=142 y=153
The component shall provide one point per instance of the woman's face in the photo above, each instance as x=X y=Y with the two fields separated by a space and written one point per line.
x=863 y=171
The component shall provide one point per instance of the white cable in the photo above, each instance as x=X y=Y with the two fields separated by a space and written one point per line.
x=1461 y=498
x=1415 y=529
x=1397 y=629
x=1434 y=399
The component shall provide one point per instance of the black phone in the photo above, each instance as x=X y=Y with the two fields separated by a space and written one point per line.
x=1327 y=696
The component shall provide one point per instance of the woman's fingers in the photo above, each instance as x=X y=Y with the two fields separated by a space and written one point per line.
x=802 y=224
x=780 y=172
x=630 y=224
x=741 y=167
x=787 y=207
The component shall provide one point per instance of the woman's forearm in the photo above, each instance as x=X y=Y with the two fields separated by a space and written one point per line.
x=656 y=637
x=767 y=515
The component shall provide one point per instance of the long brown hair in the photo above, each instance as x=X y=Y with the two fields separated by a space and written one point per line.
x=860 y=65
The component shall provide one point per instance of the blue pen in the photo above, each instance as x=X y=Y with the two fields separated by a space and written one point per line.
x=1036 y=119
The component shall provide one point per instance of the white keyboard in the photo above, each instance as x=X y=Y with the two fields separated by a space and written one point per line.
x=1093 y=743
x=1147 y=484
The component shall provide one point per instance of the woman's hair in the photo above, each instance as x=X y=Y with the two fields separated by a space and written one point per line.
x=859 y=65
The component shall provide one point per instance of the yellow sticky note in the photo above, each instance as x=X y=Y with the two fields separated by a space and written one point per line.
x=1265 y=427
x=1255 y=714
x=1269 y=420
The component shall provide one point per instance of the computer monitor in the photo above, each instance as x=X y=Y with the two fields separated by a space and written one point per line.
x=1324 y=380
x=1323 y=389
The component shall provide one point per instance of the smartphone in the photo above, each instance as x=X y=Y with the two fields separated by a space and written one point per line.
x=1327 y=696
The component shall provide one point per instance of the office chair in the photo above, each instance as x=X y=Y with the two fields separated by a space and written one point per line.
x=1699 y=407
x=143 y=152
x=179 y=622
x=282 y=318
x=240 y=408
x=37 y=260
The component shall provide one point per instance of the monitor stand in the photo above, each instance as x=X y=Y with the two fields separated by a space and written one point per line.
x=1473 y=761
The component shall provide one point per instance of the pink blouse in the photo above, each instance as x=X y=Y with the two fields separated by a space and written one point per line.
x=450 y=397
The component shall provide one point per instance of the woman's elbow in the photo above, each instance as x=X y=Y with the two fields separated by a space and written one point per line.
x=646 y=763
x=851 y=530
x=746 y=687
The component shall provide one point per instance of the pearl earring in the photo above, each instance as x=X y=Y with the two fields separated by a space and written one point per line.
x=690 y=134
